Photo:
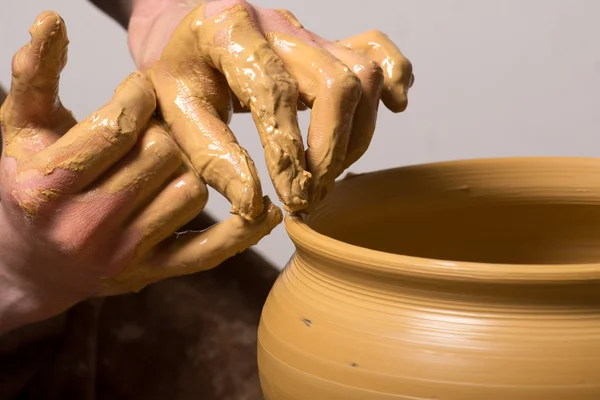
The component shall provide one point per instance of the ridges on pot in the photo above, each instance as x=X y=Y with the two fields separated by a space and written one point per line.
x=475 y=279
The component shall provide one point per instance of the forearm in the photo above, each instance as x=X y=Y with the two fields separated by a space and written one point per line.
x=151 y=25
x=121 y=10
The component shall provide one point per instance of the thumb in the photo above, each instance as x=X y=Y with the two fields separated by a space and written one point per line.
x=33 y=98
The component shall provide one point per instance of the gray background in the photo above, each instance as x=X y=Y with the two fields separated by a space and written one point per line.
x=493 y=78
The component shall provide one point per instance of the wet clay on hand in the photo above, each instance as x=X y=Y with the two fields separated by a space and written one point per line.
x=190 y=252
x=465 y=280
x=194 y=99
x=272 y=64
x=97 y=206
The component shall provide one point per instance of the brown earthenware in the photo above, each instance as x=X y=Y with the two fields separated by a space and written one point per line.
x=467 y=280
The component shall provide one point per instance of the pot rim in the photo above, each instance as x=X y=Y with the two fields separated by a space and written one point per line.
x=307 y=239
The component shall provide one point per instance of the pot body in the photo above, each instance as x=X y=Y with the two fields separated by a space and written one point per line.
x=330 y=334
x=348 y=323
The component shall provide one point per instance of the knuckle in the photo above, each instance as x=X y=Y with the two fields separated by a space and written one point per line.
x=21 y=64
x=134 y=101
x=165 y=148
x=280 y=86
x=170 y=149
x=75 y=238
x=201 y=163
x=348 y=83
x=71 y=242
x=376 y=34
x=371 y=73
x=195 y=191
x=140 y=87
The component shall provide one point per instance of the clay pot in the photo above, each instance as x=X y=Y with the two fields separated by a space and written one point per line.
x=471 y=280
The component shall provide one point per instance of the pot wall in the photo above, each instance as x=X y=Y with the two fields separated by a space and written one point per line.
x=330 y=332
x=468 y=280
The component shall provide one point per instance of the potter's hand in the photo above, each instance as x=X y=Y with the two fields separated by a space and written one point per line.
x=270 y=62
x=91 y=208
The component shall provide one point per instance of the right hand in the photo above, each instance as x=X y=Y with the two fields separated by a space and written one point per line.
x=92 y=208
x=209 y=58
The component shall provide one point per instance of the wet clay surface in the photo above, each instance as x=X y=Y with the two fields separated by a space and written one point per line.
x=345 y=322
x=198 y=50
x=273 y=66
x=443 y=213
x=110 y=193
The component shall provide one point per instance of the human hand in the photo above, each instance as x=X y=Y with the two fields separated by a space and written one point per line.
x=92 y=208
x=271 y=63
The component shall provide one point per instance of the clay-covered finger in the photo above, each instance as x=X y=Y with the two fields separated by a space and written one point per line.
x=365 y=117
x=142 y=173
x=397 y=69
x=209 y=144
x=177 y=203
x=36 y=69
x=230 y=41
x=192 y=252
x=94 y=145
x=195 y=251
x=333 y=92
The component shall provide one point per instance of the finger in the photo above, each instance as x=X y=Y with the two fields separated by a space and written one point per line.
x=177 y=204
x=195 y=102
x=232 y=43
x=94 y=145
x=212 y=149
x=397 y=69
x=37 y=66
x=330 y=88
x=36 y=70
x=192 y=251
x=142 y=173
x=365 y=117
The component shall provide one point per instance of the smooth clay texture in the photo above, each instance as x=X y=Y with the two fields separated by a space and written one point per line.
x=464 y=280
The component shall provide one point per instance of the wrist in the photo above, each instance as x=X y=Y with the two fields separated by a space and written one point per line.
x=20 y=305
x=26 y=298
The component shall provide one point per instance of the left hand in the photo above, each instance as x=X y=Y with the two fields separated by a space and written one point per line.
x=273 y=66
x=97 y=207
